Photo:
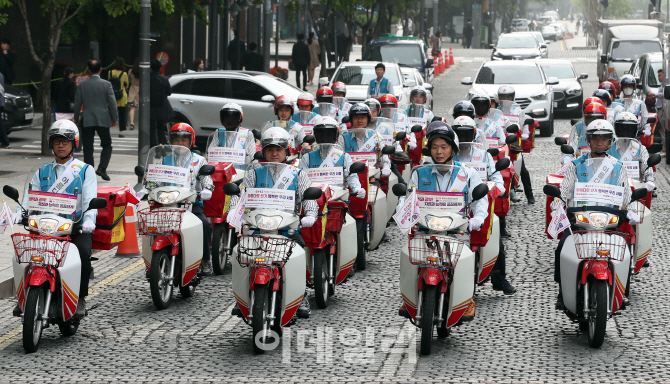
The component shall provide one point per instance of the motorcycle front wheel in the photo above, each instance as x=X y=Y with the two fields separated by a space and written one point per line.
x=219 y=248
x=598 y=312
x=360 y=256
x=159 y=279
x=32 y=318
x=320 y=273
x=427 y=315
x=259 y=322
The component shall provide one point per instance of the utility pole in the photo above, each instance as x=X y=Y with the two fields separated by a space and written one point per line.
x=422 y=12
x=267 y=32
x=435 y=28
x=213 y=36
x=277 y=36
x=145 y=49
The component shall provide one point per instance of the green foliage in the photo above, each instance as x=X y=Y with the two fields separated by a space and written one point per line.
x=292 y=8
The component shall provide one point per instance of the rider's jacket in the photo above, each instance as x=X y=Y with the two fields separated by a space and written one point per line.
x=516 y=110
x=490 y=128
x=338 y=158
x=579 y=170
x=243 y=140
x=636 y=107
x=476 y=155
x=613 y=111
x=351 y=142
x=577 y=137
x=634 y=151
x=345 y=107
x=86 y=185
x=312 y=118
x=335 y=113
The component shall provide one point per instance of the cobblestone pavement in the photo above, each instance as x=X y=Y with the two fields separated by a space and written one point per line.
x=359 y=337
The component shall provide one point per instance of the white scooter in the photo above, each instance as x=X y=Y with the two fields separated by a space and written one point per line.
x=170 y=260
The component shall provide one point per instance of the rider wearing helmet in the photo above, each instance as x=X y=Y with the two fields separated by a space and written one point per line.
x=631 y=153
x=635 y=106
x=284 y=109
x=306 y=103
x=231 y=116
x=609 y=87
x=494 y=113
x=339 y=97
x=492 y=131
x=63 y=139
x=418 y=97
x=358 y=140
x=375 y=107
x=593 y=167
x=593 y=110
x=275 y=149
x=324 y=97
x=477 y=156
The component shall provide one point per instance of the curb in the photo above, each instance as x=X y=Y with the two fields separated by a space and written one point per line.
x=7 y=288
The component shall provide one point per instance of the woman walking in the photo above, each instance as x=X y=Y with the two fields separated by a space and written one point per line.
x=134 y=92
x=119 y=72
x=65 y=96
x=314 y=52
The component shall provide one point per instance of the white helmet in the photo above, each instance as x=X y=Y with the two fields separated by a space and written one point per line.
x=64 y=128
x=626 y=125
x=600 y=128
x=463 y=121
x=326 y=130
x=506 y=90
x=275 y=136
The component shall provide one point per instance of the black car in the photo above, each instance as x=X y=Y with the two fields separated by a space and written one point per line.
x=568 y=93
x=19 y=112
x=517 y=46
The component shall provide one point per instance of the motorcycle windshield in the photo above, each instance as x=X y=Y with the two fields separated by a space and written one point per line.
x=338 y=101
x=286 y=124
x=168 y=165
x=275 y=188
x=46 y=192
x=627 y=150
x=434 y=192
x=227 y=147
x=386 y=129
x=473 y=155
x=361 y=144
x=415 y=110
x=305 y=118
x=331 y=170
x=596 y=184
x=389 y=113
x=326 y=109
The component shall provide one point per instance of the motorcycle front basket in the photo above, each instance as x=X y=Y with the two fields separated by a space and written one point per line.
x=373 y=189
x=434 y=251
x=159 y=221
x=264 y=250
x=597 y=244
x=40 y=249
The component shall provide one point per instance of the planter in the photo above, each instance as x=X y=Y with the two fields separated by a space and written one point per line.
x=284 y=76
x=291 y=66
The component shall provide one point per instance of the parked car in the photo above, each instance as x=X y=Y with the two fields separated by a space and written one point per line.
x=549 y=33
x=197 y=98
x=404 y=51
x=568 y=93
x=358 y=74
x=533 y=88
x=560 y=30
x=517 y=46
x=520 y=25
x=546 y=20
x=19 y=112
x=540 y=39
x=645 y=70
x=414 y=74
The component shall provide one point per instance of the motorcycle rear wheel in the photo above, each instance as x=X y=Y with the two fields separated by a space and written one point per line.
x=32 y=318
x=260 y=312
x=598 y=317
x=219 y=250
x=320 y=274
x=161 y=289
x=427 y=315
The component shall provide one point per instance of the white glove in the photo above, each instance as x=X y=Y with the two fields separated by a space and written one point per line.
x=647 y=132
x=143 y=192
x=650 y=186
x=524 y=136
x=476 y=224
x=360 y=193
x=555 y=204
x=88 y=227
x=17 y=218
x=205 y=194
x=565 y=159
x=633 y=218
x=307 y=221
x=412 y=144
x=386 y=171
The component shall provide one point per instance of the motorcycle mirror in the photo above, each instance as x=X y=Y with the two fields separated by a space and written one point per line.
x=560 y=140
x=574 y=121
x=638 y=194
x=655 y=148
x=346 y=120
x=357 y=167
x=207 y=170
x=139 y=170
x=309 y=139
x=399 y=189
x=494 y=151
x=552 y=191
x=97 y=203
x=425 y=151
x=480 y=192
x=257 y=133
x=568 y=150
x=529 y=121
x=312 y=193
x=259 y=156
x=653 y=160
x=651 y=120
x=511 y=139
x=512 y=128
x=231 y=189
x=400 y=136
x=11 y=192
x=388 y=150
x=417 y=128
x=502 y=164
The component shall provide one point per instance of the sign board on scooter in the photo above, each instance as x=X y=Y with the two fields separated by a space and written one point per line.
x=330 y=175
x=369 y=157
x=448 y=201
x=52 y=202
x=160 y=173
x=226 y=155
x=598 y=194
x=480 y=168
x=271 y=198
x=633 y=168
x=412 y=121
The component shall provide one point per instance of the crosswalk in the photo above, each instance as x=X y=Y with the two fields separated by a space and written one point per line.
x=119 y=144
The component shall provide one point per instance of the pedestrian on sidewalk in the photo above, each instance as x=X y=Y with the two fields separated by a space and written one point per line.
x=7 y=59
x=468 y=31
x=301 y=59
x=252 y=60
x=133 y=92
x=161 y=111
x=65 y=91
x=119 y=79
x=437 y=44
x=4 y=140
x=198 y=65
x=236 y=50
x=314 y=52
x=97 y=97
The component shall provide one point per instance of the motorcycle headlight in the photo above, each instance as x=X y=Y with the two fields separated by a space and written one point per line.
x=598 y=220
x=574 y=91
x=268 y=222
x=437 y=223
x=541 y=96
x=48 y=226
x=167 y=197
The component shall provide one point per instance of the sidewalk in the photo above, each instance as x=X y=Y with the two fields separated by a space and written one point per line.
x=14 y=170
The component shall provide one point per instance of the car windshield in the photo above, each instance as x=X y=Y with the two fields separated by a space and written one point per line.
x=404 y=54
x=654 y=67
x=517 y=42
x=631 y=50
x=519 y=22
x=509 y=75
x=562 y=71
x=356 y=75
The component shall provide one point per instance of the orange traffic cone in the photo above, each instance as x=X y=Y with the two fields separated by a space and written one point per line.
x=129 y=246
x=451 y=56
x=436 y=65
x=446 y=59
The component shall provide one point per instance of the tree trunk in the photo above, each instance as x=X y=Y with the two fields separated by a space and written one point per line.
x=45 y=93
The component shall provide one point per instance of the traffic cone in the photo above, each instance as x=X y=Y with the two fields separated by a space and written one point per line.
x=451 y=56
x=446 y=59
x=442 y=62
x=129 y=246
x=436 y=65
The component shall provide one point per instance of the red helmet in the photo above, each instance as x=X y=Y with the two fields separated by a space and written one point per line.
x=339 y=86
x=306 y=98
x=183 y=130
x=609 y=87
x=591 y=100
x=596 y=110
x=324 y=95
x=283 y=100
x=387 y=100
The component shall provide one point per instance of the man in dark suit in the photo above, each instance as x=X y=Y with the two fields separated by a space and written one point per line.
x=252 y=60
x=160 y=109
x=7 y=59
x=236 y=50
x=301 y=59
x=100 y=113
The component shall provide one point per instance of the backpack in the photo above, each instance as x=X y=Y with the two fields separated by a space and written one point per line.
x=116 y=86
x=156 y=91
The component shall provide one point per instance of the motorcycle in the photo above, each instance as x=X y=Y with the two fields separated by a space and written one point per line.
x=437 y=265
x=269 y=270
x=47 y=267
x=170 y=260
x=595 y=263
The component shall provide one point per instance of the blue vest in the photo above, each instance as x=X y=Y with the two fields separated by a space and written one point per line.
x=585 y=173
x=581 y=135
x=383 y=87
x=350 y=144
x=48 y=177
x=315 y=159
x=263 y=179
x=428 y=181
x=222 y=137
x=296 y=117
